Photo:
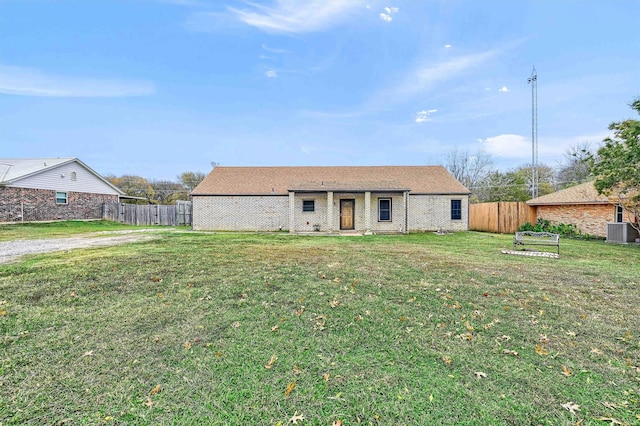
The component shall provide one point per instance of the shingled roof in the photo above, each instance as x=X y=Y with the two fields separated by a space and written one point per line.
x=584 y=193
x=281 y=180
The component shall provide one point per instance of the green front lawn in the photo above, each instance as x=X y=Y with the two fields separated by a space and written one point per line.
x=265 y=329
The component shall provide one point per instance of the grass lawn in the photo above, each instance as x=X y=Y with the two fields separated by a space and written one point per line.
x=244 y=329
x=39 y=230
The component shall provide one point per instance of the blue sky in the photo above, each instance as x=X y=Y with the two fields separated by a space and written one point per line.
x=158 y=87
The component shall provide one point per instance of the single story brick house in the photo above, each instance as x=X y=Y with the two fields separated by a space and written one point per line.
x=580 y=205
x=36 y=189
x=359 y=199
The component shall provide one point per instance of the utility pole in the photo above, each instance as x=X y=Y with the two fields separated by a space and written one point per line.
x=533 y=80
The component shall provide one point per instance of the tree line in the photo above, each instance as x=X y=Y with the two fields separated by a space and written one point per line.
x=157 y=191
x=477 y=172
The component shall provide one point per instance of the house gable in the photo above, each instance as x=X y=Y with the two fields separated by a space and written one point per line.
x=66 y=174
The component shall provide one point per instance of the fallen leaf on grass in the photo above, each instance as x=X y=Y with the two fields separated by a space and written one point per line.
x=149 y=402
x=596 y=351
x=509 y=352
x=480 y=374
x=295 y=418
x=336 y=280
x=155 y=390
x=274 y=328
x=156 y=279
x=566 y=371
x=571 y=407
x=326 y=376
x=540 y=350
x=88 y=353
x=271 y=362
x=431 y=398
x=3 y=313
x=337 y=423
x=187 y=345
x=334 y=303
x=610 y=405
x=290 y=387
x=611 y=419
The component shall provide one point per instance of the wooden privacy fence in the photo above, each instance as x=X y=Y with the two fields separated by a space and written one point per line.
x=501 y=217
x=151 y=214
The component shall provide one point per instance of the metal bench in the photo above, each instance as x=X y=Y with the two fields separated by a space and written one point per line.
x=530 y=238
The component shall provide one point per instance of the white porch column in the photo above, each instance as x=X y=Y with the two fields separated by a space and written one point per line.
x=330 y=212
x=367 y=213
x=405 y=201
x=292 y=211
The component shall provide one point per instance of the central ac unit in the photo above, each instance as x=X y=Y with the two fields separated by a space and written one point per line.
x=621 y=232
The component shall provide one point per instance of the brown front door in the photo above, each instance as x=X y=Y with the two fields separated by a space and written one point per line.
x=347 y=214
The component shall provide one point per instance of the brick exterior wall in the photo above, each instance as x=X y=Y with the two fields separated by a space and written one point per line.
x=271 y=213
x=589 y=218
x=433 y=212
x=40 y=204
x=241 y=213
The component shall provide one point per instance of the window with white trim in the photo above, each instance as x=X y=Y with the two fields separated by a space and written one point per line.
x=384 y=209
x=619 y=214
x=61 y=198
x=74 y=176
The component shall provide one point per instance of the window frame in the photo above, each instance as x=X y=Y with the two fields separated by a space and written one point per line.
x=73 y=176
x=58 y=198
x=306 y=204
x=619 y=214
x=390 y=209
x=456 y=211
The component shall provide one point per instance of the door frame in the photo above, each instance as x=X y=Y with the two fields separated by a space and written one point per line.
x=353 y=213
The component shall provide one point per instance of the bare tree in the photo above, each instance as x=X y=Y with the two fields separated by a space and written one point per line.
x=470 y=169
x=576 y=167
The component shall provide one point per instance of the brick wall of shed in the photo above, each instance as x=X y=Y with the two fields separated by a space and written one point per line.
x=433 y=212
x=241 y=213
x=40 y=204
x=589 y=218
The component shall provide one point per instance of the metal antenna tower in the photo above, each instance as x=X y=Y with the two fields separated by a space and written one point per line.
x=533 y=80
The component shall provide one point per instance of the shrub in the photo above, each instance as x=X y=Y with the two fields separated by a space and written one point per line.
x=543 y=225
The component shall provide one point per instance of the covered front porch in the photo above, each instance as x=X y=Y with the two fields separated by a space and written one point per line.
x=350 y=209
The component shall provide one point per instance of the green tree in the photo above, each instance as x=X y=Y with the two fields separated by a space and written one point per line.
x=191 y=179
x=135 y=186
x=515 y=184
x=617 y=167
x=167 y=191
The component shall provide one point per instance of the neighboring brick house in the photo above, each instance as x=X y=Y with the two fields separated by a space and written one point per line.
x=52 y=189
x=580 y=205
x=363 y=199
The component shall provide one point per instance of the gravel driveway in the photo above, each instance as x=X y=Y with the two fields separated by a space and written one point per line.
x=12 y=250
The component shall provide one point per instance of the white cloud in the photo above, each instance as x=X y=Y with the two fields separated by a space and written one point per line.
x=389 y=11
x=503 y=89
x=424 y=115
x=27 y=82
x=550 y=148
x=509 y=146
x=424 y=78
x=271 y=74
x=447 y=46
x=297 y=16
x=274 y=50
